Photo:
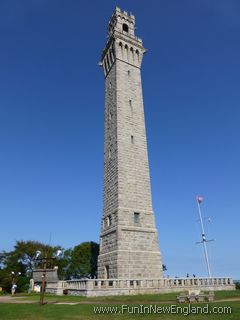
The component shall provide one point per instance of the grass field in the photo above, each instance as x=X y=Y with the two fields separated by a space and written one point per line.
x=85 y=310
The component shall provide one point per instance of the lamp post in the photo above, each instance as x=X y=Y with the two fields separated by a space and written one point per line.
x=45 y=260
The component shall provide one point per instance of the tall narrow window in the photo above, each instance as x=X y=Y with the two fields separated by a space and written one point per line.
x=109 y=220
x=121 y=48
x=129 y=72
x=136 y=217
x=137 y=53
x=132 y=139
x=126 y=52
x=107 y=272
x=132 y=54
x=130 y=105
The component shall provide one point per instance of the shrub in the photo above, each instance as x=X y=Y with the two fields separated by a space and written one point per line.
x=65 y=291
x=237 y=285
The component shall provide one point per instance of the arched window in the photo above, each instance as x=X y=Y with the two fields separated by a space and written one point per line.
x=132 y=53
x=109 y=220
x=121 y=46
x=126 y=51
x=125 y=27
x=137 y=53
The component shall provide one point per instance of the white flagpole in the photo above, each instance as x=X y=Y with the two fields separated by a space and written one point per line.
x=204 y=239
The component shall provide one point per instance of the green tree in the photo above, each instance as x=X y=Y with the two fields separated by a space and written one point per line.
x=5 y=280
x=83 y=262
x=64 y=264
x=25 y=252
x=21 y=259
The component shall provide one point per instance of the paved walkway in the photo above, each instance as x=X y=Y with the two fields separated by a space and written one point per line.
x=10 y=299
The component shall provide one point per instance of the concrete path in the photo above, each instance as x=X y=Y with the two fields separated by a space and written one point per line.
x=10 y=299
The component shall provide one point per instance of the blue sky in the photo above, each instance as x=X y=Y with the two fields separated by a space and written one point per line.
x=51 y=123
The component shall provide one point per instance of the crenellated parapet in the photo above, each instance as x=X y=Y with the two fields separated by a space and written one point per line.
x=122 y=43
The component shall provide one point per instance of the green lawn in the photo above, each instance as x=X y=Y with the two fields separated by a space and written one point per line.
x=111 y=299
x=34 y=311
x=227 y=294
x=145 y=298
x=86 y=312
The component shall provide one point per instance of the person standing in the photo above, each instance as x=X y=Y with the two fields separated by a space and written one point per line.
x=13 y=289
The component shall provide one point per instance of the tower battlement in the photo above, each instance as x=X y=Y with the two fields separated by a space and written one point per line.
x=121 y=21
x=122 y=44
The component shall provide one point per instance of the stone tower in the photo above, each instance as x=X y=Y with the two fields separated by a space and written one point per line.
x=128 y=242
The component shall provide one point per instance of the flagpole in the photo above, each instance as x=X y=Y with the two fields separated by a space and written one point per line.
x=204 y=238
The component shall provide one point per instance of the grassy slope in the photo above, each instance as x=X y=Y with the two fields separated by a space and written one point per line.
x=86 y=311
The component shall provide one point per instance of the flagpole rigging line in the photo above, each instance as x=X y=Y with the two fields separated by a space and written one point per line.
x=204 y=238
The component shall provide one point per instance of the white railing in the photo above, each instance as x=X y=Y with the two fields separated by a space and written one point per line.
x=164 y=283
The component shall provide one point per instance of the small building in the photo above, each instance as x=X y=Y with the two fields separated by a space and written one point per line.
x=51 y=275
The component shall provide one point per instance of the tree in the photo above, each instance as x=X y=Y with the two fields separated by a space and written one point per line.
x=25 y=252
x=237 y=285
x=21 y=259
x=5 y=280
x=83 y=262
x=64 y=264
